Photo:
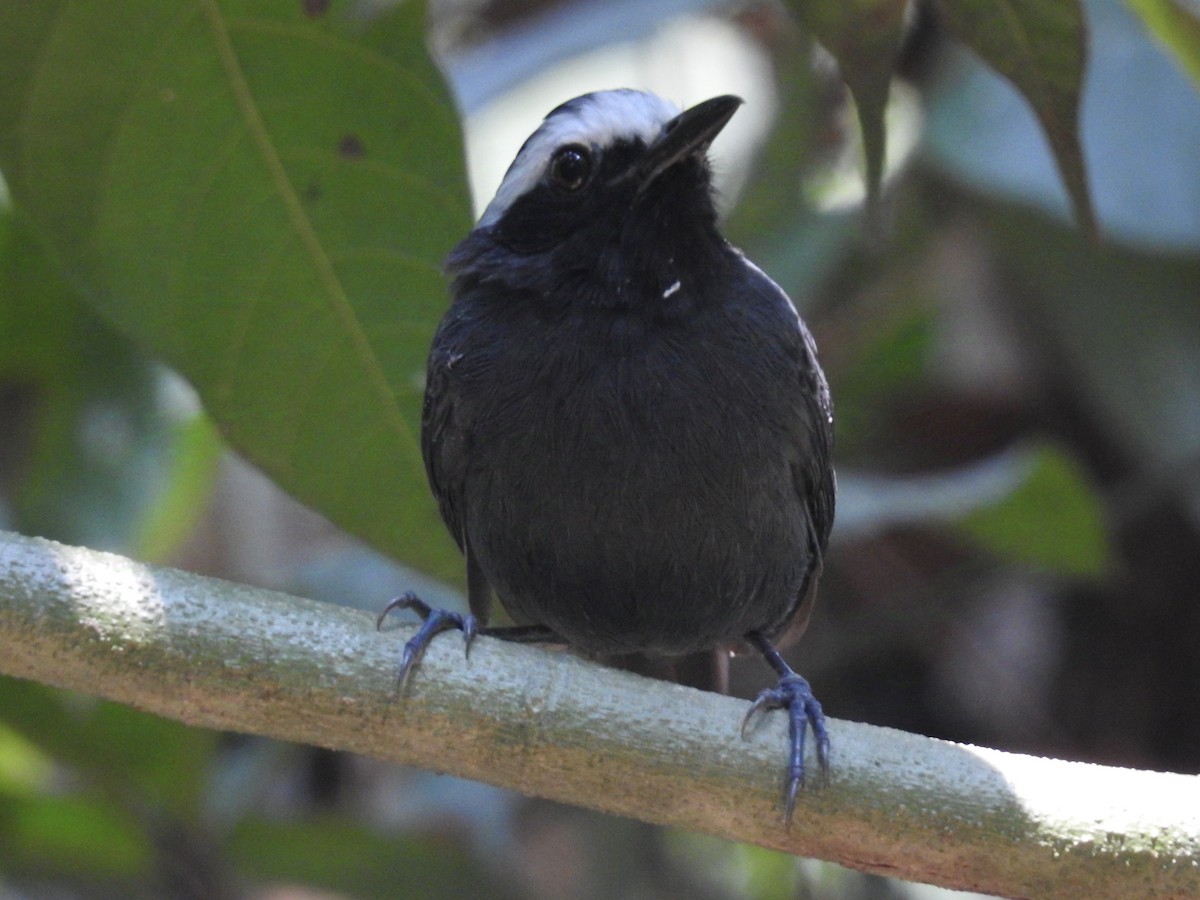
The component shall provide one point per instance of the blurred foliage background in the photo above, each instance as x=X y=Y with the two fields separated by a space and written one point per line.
x=223 y=228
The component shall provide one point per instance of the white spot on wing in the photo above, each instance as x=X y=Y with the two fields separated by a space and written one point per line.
x=594 y=120
x=671 y=290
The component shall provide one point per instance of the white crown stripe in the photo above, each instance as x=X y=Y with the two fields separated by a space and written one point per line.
x=594 y=120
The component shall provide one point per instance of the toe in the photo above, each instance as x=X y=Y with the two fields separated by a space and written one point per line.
x=407 y=600
x=793 y=694
x=434 y=621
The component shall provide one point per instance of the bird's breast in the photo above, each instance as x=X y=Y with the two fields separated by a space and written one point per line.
x=632 y=490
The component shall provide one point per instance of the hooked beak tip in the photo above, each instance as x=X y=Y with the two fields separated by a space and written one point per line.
x=690 y=133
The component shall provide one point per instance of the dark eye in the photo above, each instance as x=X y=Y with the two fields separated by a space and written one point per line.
x=570 y=167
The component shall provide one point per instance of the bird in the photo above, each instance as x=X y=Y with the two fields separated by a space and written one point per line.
x=625 y=424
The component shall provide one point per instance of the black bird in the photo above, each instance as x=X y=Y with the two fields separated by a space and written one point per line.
x=625 y=424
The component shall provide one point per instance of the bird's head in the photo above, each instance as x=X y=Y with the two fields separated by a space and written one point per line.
x=611 y=194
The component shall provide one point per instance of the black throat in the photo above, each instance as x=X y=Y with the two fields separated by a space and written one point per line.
x=652 y=251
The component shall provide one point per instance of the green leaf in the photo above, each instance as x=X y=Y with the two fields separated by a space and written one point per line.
x=1040 y=46
x=261 y=193
x=190 y=470
x=771 y=197
x=146 y=758
x=1177 y=27
x=1031 y=504
x=352 y=860
x=797 y=244
x=89 y=839
x=24 y=769
x=864 y=36
x=770 y=874
x=1053 y=519
x=104 y=454
x=890 y=362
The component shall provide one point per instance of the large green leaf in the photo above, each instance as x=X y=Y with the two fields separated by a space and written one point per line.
x=1041 y=47
x=260 y=192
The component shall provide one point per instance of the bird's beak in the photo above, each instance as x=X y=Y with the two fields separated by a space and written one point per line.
x=689 y=134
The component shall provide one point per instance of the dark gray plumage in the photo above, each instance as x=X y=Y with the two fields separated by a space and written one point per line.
x=626 y=427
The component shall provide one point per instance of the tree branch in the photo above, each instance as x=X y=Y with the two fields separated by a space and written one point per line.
x=221 y=655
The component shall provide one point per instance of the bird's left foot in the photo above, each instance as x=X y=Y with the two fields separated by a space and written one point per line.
x=433 y=622
x=793 y=694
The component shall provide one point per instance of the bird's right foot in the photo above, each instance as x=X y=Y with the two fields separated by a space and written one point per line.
x=433 y=622
x=793 y=694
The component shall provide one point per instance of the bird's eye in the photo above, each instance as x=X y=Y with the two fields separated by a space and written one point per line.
x=570 y=167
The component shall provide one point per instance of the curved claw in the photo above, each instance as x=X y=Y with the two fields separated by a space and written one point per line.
x=404 y=601
x=794 y=694
x=761 y=703
x=433 y=622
